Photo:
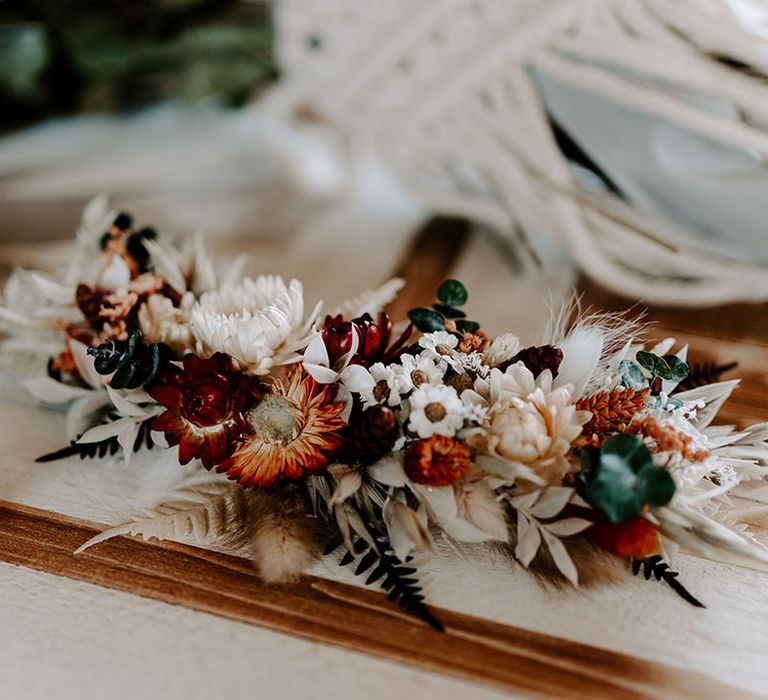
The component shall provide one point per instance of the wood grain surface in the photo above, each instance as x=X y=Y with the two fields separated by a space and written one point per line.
x=340 y=614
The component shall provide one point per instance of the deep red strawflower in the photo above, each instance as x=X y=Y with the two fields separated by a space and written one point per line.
x=205 y=401
x=374 y=338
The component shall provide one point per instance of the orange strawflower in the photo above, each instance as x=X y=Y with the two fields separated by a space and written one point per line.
x=292 y=432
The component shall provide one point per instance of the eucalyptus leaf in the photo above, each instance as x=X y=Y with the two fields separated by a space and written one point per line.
x=614 y=491
x=656 y=486
x=427 y=320
x=656 y=365
x=448 y=311
x=452 y=293
x=621 y=478
x=468 y=326
x=678 y=367
x=631 y=375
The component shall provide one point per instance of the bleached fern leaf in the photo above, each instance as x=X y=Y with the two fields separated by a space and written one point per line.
x=215 y=514
x=371 y=301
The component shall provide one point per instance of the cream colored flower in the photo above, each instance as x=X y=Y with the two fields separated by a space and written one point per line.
x=162 y=322
x=435 y=409
x=531 y=425
x=502 y=348
x=259 y=322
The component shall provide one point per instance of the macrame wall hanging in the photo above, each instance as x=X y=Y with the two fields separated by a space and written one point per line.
x=534 y=117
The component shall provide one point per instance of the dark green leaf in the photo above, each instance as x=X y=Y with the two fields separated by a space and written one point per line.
x=427 y=320
x=616 y=498
x=654 y=364
x=448 y=311
x=613 y=482
x=678 y=367
x=468 y=326
x=452 y=293
x=631 y=375
x=629 y=448
x=655 y=485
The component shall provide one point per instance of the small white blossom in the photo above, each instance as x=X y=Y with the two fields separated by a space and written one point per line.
x=475 y=406
x=441 y=347
x=382 y=385
x=473 y=362
x=436 y=409
x=420 y=370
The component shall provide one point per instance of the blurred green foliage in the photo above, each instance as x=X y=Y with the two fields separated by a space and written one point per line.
x=68 y=56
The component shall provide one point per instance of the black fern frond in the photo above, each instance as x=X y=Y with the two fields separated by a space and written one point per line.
x=655 y=566
x=395 y=578
x=703 y=373
x=89 y=450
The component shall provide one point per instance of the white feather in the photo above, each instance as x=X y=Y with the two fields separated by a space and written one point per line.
x=582 y=349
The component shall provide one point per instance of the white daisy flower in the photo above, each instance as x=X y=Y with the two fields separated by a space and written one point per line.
x=259 y=322
x=441 y=347
x=436 y=409
x=420 y=370
x=387 y=385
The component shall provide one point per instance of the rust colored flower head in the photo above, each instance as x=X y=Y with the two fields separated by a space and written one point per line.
x=374 y=338
x=205 y=402
x=436 y=461
x=291 y=432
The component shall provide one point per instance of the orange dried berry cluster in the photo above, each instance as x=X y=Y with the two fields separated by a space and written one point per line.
x=473 y=342
x=667 y=438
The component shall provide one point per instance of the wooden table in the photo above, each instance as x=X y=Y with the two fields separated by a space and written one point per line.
x=504 y=633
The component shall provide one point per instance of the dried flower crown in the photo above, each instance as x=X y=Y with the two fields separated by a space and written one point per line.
x=346 y=433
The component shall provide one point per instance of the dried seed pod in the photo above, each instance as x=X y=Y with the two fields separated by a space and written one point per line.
x=373 y=431
x=90 y=301
x=633 y=539
x=537 y=358
x=436 y=461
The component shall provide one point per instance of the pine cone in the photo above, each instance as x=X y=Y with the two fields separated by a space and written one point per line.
x=537 y=358
x=373 y=431
x=612 y=411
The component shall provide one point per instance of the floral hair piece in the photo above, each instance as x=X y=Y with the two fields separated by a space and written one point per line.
x=351 y=432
